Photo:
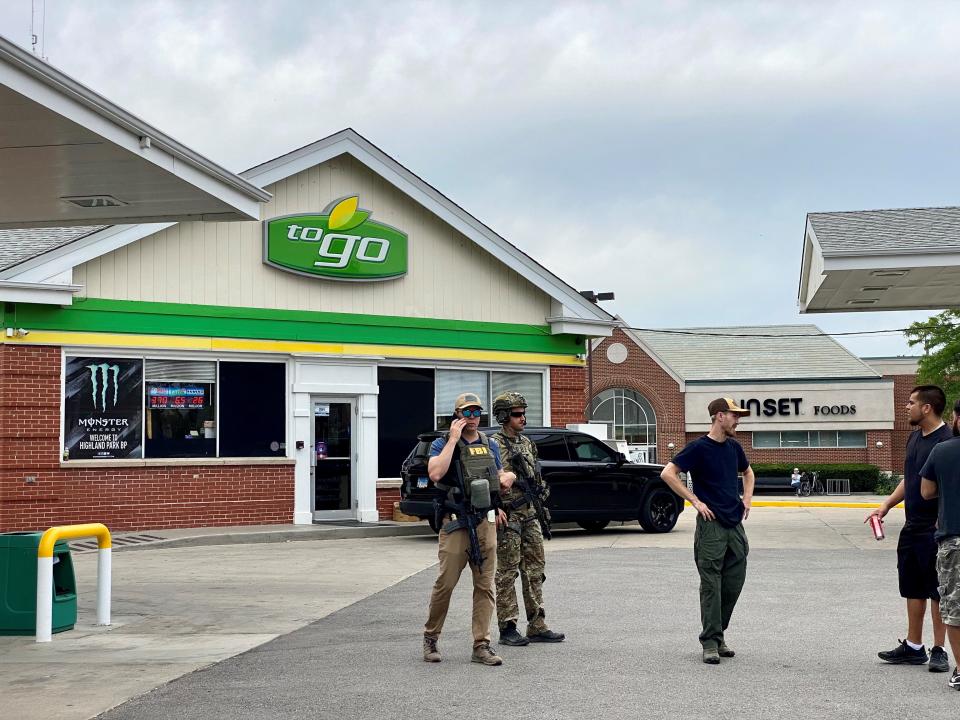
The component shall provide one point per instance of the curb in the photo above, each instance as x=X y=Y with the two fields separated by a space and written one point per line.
x=273 y=536
x=811 y=503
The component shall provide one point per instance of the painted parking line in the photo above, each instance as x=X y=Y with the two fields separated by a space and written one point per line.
x=813 y=503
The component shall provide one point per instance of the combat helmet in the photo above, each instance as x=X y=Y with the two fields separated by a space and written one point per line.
x=504 y=403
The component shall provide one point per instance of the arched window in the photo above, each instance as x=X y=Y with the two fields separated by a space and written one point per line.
x=629 y=416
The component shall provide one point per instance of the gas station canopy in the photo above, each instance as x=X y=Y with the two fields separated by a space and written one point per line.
x=69 y=157
x=881 y=260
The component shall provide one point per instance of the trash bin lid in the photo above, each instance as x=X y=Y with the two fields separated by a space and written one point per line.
x=29 y=540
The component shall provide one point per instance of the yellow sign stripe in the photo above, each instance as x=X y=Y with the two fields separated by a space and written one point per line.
x=179 y=342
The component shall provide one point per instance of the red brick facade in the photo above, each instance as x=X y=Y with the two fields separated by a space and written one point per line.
x=123 y=498
x=568 y=395
x=902 y=385
x=386 y=497
x=641 y=373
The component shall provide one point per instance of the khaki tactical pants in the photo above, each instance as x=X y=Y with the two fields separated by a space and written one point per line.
x=453 y=558
x=721 y=555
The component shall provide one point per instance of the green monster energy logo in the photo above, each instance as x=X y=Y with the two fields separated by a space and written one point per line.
x=102 y=371
x=342 y=243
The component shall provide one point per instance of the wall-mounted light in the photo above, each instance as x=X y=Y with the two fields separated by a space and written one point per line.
x=17 y=332
x=879 y=444
x=670 y=446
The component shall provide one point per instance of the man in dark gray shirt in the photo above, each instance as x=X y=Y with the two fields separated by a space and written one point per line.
x=940 y=478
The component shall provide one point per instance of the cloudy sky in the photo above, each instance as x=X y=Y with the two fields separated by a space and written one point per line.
x=667 y=151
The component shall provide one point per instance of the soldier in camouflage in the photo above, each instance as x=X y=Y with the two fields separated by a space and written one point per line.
x=520 y=542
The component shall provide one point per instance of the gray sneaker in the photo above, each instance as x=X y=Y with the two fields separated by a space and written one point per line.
x=430 y=651
x=711 y=656
x=483 y=654
x=939 y=662
x=725 y=651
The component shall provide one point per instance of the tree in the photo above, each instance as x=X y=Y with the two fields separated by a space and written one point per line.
x=940 y=364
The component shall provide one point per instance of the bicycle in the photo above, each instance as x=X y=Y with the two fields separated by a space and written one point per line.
x=810 y=484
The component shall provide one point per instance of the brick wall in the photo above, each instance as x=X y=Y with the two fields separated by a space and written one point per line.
x=641 y=373
x=902 y=385
x=123 y=498
x=568 y=395
x=386 y=497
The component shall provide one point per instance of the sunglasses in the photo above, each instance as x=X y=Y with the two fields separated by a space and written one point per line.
x=477 y=412
x=518 y=414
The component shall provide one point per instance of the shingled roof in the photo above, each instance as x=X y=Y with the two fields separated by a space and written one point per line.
x=879 y=232
x=766 y=352
x=17 y=246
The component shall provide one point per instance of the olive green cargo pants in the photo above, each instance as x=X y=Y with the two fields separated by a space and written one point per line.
x=721 y=556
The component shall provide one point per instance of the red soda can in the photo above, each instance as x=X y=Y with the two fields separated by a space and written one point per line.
x=876 y=524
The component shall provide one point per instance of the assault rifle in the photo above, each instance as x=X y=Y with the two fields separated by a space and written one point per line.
x=467 y=518
x=525 y=483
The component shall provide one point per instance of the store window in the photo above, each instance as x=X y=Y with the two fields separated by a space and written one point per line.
x=811 y=439
x=450 y=383
x=252 y=409
x=159 y=408
x=180 y=408
x=102 y=408
x=629 y=416
x=406 y=409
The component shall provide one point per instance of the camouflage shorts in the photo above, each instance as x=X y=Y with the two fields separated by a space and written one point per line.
x=948 y=572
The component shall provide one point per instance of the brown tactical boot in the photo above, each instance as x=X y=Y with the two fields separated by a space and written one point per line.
x=430 y=652
x=483 y=654
x=711 y=656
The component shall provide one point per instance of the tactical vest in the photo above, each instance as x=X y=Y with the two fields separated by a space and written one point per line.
x=518 y=455
x=476 y=462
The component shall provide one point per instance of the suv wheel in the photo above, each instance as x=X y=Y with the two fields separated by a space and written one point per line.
x=659 y=512
x=593 y=525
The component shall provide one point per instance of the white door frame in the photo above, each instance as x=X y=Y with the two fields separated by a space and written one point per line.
x=339 y=377
x=350 y=512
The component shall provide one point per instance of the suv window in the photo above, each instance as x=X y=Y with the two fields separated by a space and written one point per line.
x=588 y=449
x=551 y=447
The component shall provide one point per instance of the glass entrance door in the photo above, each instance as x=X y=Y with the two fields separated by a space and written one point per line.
x=332 y=458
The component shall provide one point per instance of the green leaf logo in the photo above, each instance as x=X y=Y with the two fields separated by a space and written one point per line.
x=345 y=216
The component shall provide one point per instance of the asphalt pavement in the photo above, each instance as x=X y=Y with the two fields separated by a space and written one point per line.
x=332 y=628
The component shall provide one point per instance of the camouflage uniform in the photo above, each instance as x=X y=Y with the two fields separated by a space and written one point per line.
x=519 y=544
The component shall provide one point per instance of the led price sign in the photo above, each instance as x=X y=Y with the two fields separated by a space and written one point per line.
x=177 y=397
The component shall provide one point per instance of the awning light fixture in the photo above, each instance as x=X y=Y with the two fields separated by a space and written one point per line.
x=94 y=201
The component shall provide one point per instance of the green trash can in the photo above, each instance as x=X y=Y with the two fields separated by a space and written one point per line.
x=18 y=584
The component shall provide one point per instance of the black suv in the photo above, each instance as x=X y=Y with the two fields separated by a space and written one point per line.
x=590 y=484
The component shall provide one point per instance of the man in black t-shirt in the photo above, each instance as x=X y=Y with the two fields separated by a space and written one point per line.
x=917 y=547
x=720 y=544
x=940 y=478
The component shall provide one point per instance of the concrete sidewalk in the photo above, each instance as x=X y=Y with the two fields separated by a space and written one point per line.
x=179 y=609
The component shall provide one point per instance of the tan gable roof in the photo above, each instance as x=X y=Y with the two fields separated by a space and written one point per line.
x=766 y=352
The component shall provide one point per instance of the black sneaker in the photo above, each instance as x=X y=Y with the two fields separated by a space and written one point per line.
x=510 y=636
x=954 y=681
x=903 y=654
x=939 y=662
x=545 y=636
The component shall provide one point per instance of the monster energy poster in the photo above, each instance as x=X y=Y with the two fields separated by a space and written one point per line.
x=103 y=408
